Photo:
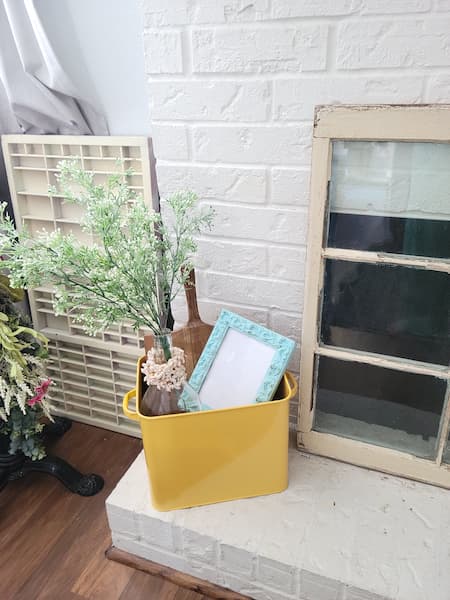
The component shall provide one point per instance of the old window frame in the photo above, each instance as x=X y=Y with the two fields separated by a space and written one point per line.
x=369 y=123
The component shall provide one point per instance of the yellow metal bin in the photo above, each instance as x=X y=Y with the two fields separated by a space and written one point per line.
x=211 y=456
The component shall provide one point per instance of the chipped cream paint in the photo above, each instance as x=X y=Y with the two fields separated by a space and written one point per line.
x=387 y=259
x=320 y=174
x=422 y=123
x=398 y=123
x=444 y=429
x=380 y=360
x=338 y=532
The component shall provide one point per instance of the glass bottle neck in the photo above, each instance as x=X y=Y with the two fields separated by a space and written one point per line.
x=163 y=347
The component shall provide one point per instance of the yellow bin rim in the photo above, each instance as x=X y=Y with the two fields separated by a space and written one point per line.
x=136 y=392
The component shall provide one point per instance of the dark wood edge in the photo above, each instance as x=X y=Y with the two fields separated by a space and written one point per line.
x=190 y=291
x=181 y=579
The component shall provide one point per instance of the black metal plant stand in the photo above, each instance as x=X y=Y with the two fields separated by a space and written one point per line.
x=16 y=466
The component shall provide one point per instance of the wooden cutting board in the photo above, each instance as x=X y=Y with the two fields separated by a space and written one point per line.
x=193 y=336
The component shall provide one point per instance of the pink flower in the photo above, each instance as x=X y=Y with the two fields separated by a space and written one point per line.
x=40 y=390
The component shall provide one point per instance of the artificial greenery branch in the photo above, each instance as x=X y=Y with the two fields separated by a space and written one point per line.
x=134 y=267
x=23 y=383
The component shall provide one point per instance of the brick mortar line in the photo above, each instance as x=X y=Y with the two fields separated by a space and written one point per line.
x=267 y=124
x=189 y=143
x=416 y=71
x=250 y=243
x=186 y=50
x=272 y=23
x=271 y=117
x=426 y=88
x=231 y=165
x=269 y=186
x=243 y=166
x=243 y=77
x=261 y=243
x=265 y=208
x=247 y=277
x=332 y=50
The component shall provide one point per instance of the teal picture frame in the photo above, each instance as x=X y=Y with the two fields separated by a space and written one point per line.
x=282 y=350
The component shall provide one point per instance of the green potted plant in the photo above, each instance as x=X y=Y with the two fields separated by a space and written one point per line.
x=133 y=270
x=23 y=383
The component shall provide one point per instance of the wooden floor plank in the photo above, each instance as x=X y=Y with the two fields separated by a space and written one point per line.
x=145 y=586
x=34 y=496
x=87 y=534
x=52 y=542
x=33 y=493
x=182 y=594
x=42 y=532
x=99 y=580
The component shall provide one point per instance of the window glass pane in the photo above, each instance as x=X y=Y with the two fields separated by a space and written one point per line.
x=391 y=197
x=418 y=237
x=387 y=309
x=380 y=406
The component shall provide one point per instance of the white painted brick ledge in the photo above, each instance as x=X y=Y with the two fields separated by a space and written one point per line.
x=338 y=533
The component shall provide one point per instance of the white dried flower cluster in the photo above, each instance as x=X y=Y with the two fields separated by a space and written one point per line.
x=167 y=376
x=23 y=393
x=14 y=390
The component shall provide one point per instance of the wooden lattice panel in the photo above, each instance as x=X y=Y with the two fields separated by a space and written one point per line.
x=91 y=374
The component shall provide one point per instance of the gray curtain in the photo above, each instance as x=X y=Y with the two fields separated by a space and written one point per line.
x=40 y=96
x=36 y=96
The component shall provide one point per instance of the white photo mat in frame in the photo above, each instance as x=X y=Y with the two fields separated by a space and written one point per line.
x=242 y=363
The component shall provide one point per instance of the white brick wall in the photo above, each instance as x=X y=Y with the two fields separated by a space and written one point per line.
x=404 y=43
x=232 y=89
x=268 y=49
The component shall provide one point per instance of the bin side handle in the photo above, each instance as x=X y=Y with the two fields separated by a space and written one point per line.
x=131 y=414
x=292 y=384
